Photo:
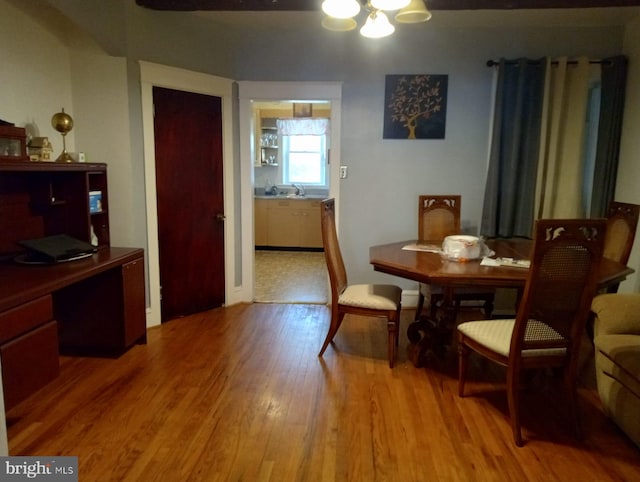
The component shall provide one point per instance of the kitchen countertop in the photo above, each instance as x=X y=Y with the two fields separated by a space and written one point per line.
x=313 y=197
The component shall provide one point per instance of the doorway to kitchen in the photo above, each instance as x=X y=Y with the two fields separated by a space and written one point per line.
x=251 y=93
x=291 y=177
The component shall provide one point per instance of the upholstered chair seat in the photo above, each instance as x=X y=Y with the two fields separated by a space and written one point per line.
x=372 y=296
x=496 y=336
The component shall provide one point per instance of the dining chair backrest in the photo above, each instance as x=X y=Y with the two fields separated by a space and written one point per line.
x=438 y=216
x=551 y=317
x=332 y=253
x=622 y=220
x=561 y=283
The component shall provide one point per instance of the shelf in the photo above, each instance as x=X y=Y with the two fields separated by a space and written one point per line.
x=32 y=166
x=52 y=198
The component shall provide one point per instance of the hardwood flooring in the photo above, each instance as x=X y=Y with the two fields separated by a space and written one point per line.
x=239 y=394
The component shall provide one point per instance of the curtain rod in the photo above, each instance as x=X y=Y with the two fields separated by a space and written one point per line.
x=492 y=63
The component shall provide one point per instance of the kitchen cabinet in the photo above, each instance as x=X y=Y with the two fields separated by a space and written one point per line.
x=260 y=221
x=266 y=141
x=269 y=142
x=290 y=223
x=311 y=233
x=283 y=223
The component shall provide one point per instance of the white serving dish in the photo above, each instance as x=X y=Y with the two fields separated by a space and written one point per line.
x=462 y=247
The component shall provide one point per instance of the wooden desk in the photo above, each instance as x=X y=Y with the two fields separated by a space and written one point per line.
x=91 y=306
x=431 y=268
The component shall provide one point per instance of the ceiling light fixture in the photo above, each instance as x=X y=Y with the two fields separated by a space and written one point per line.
x=340 y=15
x=339 y=24
x=415 y=12
x=341 y=8
x=377 y=25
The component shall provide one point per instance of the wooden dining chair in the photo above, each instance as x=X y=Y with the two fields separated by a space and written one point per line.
x=622 y=221
x=549 y=324
x=375 y=300
x=439 y=217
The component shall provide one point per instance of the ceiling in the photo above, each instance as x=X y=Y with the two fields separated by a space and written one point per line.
x=311 y=5
x=269 y=15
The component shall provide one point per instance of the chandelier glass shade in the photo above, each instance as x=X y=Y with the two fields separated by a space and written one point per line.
x=377 y=25
x=415 y=12
x=341 y=13
x=341 y=8
x=339 y=24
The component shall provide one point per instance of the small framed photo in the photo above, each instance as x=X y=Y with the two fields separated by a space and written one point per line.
x=301 y=110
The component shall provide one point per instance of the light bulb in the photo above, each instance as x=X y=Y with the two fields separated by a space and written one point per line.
x=377 y=25
x=341 y=8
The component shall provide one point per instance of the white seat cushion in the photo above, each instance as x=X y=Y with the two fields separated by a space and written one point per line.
x=496 y=335
x=377 y=297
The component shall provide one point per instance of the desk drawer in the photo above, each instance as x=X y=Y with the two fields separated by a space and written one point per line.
x=29 y=362
x=21 y=319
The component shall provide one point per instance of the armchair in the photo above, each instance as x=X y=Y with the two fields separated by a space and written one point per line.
x=617 y=343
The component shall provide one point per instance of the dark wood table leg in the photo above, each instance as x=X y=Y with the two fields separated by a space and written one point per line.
x=428 y=337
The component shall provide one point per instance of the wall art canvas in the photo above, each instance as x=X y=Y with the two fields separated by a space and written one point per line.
x=415 y=106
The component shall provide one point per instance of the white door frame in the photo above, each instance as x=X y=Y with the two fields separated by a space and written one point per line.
x=174 y=78
x=249 y=92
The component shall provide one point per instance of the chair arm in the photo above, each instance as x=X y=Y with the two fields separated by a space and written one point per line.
x=616 y=313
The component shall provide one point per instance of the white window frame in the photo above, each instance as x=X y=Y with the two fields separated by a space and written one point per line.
x=323 y=164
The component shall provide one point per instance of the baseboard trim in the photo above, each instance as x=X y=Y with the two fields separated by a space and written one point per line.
x=409 y=298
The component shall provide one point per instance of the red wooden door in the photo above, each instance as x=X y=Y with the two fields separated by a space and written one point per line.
x=189 y=183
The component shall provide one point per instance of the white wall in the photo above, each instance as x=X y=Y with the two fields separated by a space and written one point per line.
x=34 y=76
x=102 y=132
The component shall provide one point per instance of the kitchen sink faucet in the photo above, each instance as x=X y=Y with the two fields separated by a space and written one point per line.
x=299 y=189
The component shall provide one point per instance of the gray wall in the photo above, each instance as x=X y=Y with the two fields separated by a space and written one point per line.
x=379 y=198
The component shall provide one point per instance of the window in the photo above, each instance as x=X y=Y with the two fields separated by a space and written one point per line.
x=304 y=151
x=591 y=143
x=304 y=160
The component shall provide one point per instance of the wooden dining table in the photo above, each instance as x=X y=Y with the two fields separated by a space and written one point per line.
x=419 y=262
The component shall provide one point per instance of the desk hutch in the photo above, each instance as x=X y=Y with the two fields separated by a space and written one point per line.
x=91 y=306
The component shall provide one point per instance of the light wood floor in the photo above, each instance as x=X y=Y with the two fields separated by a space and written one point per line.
x=239 y=394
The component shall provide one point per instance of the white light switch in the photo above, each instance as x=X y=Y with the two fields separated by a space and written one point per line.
x=343 y=172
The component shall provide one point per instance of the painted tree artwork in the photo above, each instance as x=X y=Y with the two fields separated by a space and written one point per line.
x=415 y=106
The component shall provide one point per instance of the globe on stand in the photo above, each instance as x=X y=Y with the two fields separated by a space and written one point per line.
x=63 y=123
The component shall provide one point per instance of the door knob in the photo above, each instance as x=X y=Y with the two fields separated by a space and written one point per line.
x=220 y=217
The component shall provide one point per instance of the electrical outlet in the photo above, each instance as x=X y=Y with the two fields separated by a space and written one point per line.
x=343 y=172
